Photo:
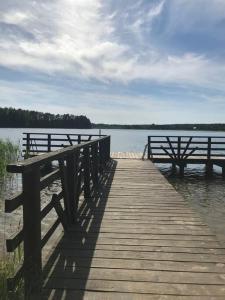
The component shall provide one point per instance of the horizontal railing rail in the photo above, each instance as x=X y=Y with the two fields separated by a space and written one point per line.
x=39 y=142
x=78 y=171
x=184 y=147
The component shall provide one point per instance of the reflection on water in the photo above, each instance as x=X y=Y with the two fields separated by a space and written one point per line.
x=206 y=195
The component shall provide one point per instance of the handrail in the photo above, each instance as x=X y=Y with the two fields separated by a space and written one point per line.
x=188 y=136
x=23 y=165
x=41 y=142
x=53 y=133
x=183 y=147
x=79 y=169
x=144 y=152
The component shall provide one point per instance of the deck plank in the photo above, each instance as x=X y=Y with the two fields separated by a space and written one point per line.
x=139 y=239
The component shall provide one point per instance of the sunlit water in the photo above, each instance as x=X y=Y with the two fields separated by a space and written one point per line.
x=207 y=196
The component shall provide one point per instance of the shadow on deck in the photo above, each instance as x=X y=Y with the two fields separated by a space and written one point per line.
x=69 y=264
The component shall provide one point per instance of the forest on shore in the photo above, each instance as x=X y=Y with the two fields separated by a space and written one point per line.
x=206 y=127
x=20 y=118
x=15 y=118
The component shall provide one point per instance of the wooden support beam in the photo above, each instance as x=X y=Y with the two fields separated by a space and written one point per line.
x=181 y=170
x=209 y=147
x=49 y=142
x=167 y=152
x=223 y=171
x=66 y=197
x=149 y=148
x=174 y=168
x=32 y=234
x=171 y=147
x=69 y=139
x=209 y=168
x=72 y=169
x=86 y=165
x=27 y=145
x=178 y=146
x=14 y=202
x=95 y=163
x=186 y=147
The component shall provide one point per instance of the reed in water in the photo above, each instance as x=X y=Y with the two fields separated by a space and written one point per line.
x=8 y=263
x=8 y=153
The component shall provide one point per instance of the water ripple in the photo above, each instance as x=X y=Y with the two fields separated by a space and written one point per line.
x=206 y=195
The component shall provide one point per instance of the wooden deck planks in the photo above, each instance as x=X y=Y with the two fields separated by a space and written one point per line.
x=138 y=240
x=126 y=155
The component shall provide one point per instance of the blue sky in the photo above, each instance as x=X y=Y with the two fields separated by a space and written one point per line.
x=116 y=61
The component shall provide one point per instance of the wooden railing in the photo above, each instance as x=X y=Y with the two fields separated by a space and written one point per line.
x=78 y=168
x=184 y=147
x=36 y=142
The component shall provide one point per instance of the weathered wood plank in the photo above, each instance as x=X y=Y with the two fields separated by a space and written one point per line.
x=89 y=295
x=148 y=243
x=137 y=287
x=143 y=265
x=144 y=255
x=143 y=275
x=138 y=239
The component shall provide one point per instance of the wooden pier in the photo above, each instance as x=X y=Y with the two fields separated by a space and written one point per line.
x=139 y=241
x=129 y=236
x=179 y=151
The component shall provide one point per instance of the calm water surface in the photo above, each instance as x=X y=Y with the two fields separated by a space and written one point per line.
x=207 y=196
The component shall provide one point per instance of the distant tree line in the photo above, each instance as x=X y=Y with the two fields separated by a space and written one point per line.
x=11 y=117
x=213 y=127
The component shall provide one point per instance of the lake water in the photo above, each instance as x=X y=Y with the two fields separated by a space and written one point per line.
x=207 y=196
x=121 y=140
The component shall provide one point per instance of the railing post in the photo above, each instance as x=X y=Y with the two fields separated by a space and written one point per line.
x=104 y=152
x=94 y=151
x=108 y=147
x=27 y=144
x=209 y=148
x=49 y=142
x=178 y=146
x=86 y=172
x=79 y=139
x=101 y=158
x=149 y=147
x=65 y=189
x=71 y=166
x=32 y=234
x=209 y=164
x=76 y=184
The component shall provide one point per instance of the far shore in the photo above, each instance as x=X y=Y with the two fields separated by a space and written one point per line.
x=187 y=127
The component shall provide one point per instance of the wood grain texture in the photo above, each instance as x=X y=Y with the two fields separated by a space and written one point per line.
x=136 y=239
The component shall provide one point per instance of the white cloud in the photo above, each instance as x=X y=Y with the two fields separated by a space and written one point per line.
x=141 y=20
x=81 y=39
x=156 y=10
x=111 y=107
x=15 y=18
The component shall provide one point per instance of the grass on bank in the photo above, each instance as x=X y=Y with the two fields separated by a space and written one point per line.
x=8 y=264
x=8 y=153
x=7 y=269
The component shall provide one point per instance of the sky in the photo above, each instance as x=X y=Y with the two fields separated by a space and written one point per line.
x=115 y=61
